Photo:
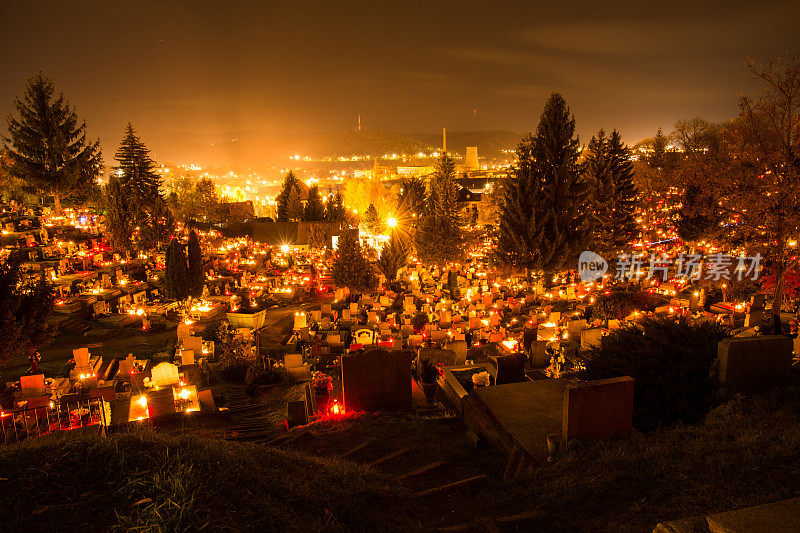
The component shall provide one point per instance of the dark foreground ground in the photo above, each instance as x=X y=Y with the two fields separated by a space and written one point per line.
x=746 y=453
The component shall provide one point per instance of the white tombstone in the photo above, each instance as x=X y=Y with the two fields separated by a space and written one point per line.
x=364 y=336
x=354 y=308
x=555 y=317
x=164 y=374
x=300 y=321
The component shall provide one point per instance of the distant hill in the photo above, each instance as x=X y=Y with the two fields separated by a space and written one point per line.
x=239 y=150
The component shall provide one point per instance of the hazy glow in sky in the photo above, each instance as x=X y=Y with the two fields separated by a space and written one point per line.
x=217 y=68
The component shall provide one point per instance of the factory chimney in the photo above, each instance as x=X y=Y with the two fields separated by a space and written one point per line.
x=444 y=140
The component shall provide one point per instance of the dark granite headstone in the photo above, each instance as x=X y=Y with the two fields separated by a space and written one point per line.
x=377 y=380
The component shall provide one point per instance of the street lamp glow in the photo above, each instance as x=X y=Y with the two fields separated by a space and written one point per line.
x=285 y=248
x=391 y=222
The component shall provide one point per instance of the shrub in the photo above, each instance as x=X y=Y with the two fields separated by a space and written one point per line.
x=418 y=321
x=257 y=376
x=618 y=304
x=670 y=360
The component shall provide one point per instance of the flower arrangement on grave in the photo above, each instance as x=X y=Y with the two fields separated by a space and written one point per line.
x=560 y=364
x=321 y=383
x=429 y=371
x=481 y=379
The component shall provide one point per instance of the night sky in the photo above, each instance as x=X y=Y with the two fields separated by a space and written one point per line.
x=226 y=67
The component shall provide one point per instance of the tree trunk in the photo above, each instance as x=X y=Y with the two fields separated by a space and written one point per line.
x=777 y=299
x=57 y=204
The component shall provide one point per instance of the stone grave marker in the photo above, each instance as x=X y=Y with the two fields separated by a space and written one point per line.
x=164 y=374
x=596 y=410
x=754 y=363
x=377 y=380
x=32 y=385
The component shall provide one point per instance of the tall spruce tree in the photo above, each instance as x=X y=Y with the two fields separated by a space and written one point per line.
x=176 y=272
x=314 y=209
x=609 y=173
x=137 y=171
x=119 y=219
x=372 y=221
x=394 y=256
x=439 y=237
x=289 y=205
x=350 y=267
x=195 y=265
x=543 y=218
x=47 y=147
x=623 y=229
x=411 y=200
x=335 y=209
x=145 y=207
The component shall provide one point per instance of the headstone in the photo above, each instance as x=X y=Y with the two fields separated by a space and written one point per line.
x=193 y=343
x=184 y=330
x=591 y=338
x=187 y=357
x=757 y=301
x=376 y=380
x=296 y=413
x=538 y=354
x=510 y=369
x=752 y=363
x=364 y=336
x=754 y=318
x=32 y=385
x=459 y=348
x=206 y=399
x=597 y=410
x=164 y=374
x=81 y=356
x=126 y=367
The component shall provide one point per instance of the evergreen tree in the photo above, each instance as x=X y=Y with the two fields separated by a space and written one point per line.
x=350 y=267
x=609 y=173
x=543 y=218
x=176 y=272
x=118 y=224
x=411 y=200
x=452 y=285
x=623 y=229
x=394 y=256
x=25 y=303
x=698 y=217
x=439 y=237
x=195 y=265
x=158 y=227
x=289 y=205
x=47 y=147
x=314 y=209
x=372 y=221
x=658 y=157
x=335 y=208
x=136 y=171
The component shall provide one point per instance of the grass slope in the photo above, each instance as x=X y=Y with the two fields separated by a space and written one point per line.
x=150 y=482
x=746 y=453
